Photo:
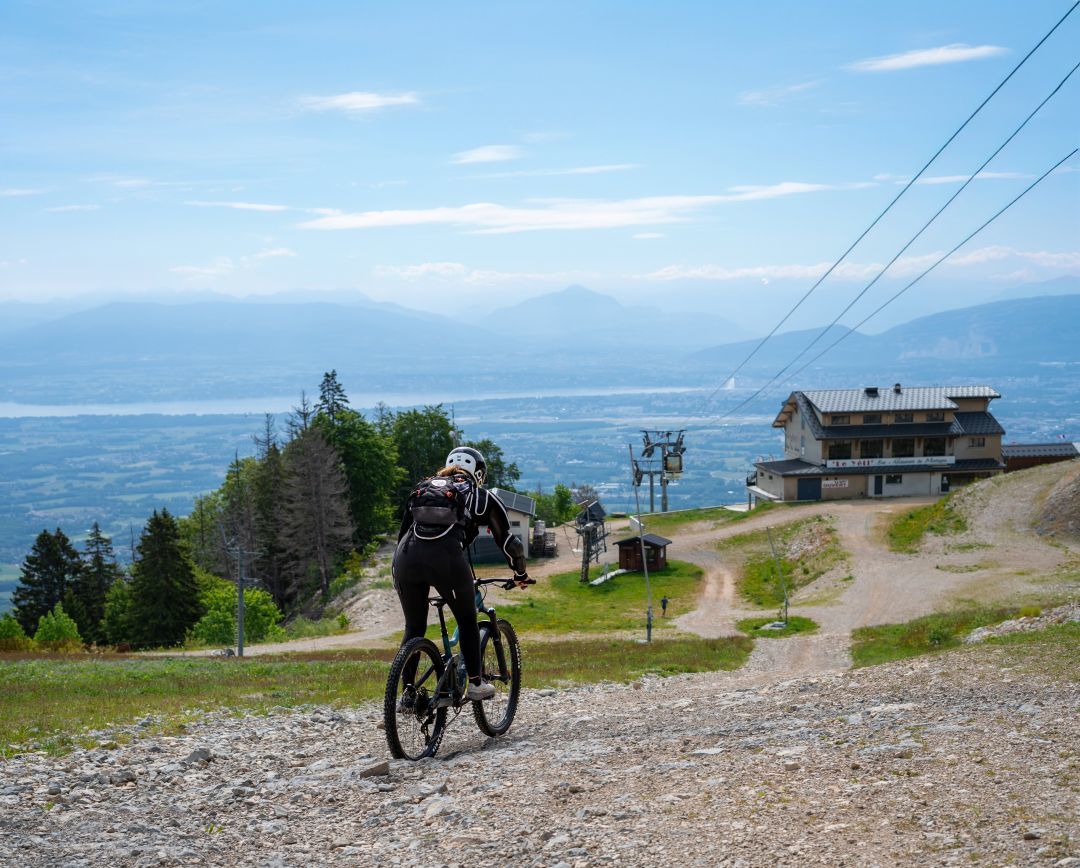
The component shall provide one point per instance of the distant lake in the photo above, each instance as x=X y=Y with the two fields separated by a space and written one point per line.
x=241 y=406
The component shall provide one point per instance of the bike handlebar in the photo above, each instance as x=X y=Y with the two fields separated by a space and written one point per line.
x=507 y=584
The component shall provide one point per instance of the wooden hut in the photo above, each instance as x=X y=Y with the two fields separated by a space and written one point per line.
x=655 y=552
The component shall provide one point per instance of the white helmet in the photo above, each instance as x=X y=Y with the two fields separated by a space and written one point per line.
x=468 y=459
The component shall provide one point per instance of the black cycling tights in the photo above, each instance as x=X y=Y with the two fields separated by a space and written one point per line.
x=441 y=563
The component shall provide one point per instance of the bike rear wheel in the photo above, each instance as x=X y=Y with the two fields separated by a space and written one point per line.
x=495 y=715
x=414 y=725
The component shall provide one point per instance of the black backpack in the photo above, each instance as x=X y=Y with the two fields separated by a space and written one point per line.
x=442 y=501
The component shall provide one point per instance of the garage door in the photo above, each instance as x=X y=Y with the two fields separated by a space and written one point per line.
x=809 y=489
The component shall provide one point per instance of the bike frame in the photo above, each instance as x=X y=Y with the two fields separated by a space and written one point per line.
x=448 y=691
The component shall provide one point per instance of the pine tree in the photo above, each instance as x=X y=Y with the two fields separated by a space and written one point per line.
x=52 y=565
x=164 y=593
x=85 y=598
x=332 y=398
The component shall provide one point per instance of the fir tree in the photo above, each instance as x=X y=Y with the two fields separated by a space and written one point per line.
x=268 y=488
x=164 y=593
x=332 y=398
x=52 y=565
x=85 y=598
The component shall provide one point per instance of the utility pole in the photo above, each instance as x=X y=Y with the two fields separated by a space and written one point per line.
x=634 y=470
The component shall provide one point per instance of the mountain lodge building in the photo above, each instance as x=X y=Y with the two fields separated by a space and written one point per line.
x=889 y=442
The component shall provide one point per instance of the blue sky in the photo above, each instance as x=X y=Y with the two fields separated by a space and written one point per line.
x=708 y=154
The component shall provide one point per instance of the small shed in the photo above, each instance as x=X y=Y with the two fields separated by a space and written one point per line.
x=520 y=509
x=655 y=552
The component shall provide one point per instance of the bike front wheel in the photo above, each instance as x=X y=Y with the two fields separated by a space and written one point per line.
x=495 y=715
x=414 y=721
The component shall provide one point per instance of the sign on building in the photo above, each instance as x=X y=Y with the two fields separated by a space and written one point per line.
x=922 y=460
x=834 y=483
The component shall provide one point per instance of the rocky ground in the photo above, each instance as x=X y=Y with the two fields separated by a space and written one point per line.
x=960 y=758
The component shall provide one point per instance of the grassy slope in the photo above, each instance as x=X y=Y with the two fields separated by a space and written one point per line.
x=565 y=605
x=758 y=581
x=931 y=633
x=907 y=530
x=48 y=701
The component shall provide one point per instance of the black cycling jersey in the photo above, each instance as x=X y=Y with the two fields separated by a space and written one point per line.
x=485 y=509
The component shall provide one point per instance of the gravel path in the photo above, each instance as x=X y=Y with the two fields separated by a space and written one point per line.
x=951 y=760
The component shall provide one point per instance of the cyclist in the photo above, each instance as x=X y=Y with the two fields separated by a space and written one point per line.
x=431 y=553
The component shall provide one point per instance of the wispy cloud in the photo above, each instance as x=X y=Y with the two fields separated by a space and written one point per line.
x=225 y=265
x=931 y=180
x=59 y=209
x=457 y=272
x=649 y=236
x=577 y=170
x=906 y=266
x=957 y=52
x=490 y=218
x=357 y=102
x=20 y=191
x=488 y=154
x=774 y=95
x=239 y=206
x=272 y=253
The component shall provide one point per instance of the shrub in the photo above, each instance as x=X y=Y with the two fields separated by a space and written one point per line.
x=218 y=625
x=12 y=635
x=57 y=631
x=118 y=620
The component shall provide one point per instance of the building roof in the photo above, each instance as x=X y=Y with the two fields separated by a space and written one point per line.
x=888 y=399
x=1040 y=450
x=517 y=502
x=651 y=539
x=977 y=423
x=797 y=467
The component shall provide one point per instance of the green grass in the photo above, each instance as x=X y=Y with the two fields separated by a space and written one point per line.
x=926 y=635
x=51 y=703
x=665 y=522
x=563 y=604
x=907 y=530
x=758 y=581
x=1051 y=652
x=306 y=628
x=796 y=624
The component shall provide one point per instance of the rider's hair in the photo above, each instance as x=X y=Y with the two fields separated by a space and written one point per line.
x=449 y=470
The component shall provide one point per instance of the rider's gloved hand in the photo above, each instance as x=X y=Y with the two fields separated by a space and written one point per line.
x=522 y=580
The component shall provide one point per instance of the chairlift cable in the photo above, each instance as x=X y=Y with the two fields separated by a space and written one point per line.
x=889 y=301
x=895 y=199
x=900 y=252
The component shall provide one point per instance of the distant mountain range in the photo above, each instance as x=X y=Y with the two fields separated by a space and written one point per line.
x=219 y=348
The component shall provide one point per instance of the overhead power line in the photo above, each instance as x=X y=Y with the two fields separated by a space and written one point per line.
x=901 y=251
x=890 y=300
x=888 y=208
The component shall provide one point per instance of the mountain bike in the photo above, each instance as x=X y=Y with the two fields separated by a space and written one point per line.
x=425 y=684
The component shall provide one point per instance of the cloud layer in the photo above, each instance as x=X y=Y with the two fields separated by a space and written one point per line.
x=957 y=52
x=356 y=102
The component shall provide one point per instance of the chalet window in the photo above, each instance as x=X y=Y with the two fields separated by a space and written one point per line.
x=839 y=449
x=977 y=441
x=903 y=447
x=872 y=419
x=903 y=417
x=512 y=524
x=894 y=478
x=841 y=420
x=935 y=416
x=872 y=449
x=934 y=446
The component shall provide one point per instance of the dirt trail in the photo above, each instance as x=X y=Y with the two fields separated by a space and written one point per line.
x=997 y=557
